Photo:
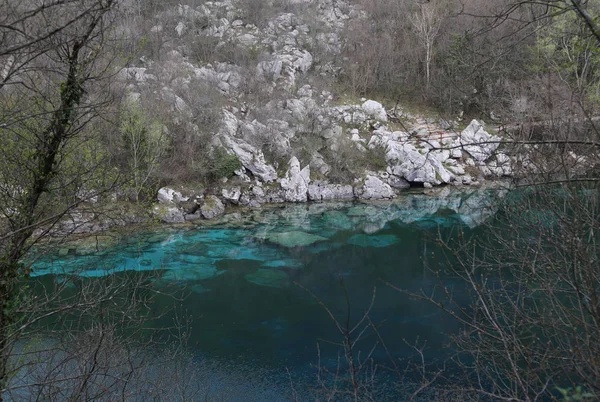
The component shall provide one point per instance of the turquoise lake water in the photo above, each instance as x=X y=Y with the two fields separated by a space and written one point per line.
x=255 y=324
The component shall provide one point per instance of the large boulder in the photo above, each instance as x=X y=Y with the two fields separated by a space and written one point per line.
x=478 y=142
x=406 y=161
x=232 y=194
x=296 y=181
x=374 y=189
x=374 y=110
x=168 y=214
x=212 y=207
x=167 y=195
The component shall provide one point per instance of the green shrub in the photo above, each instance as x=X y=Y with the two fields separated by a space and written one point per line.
x=223 y=164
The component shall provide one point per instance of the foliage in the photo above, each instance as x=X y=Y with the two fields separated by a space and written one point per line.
x=565 y=47
x=574 y=394
x=223 y=164
x=144 y=144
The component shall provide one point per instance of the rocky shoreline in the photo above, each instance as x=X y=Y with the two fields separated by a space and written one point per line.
x=422 y=159
x=469 y=206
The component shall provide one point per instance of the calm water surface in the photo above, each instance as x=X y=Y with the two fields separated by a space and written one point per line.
x=253 y=322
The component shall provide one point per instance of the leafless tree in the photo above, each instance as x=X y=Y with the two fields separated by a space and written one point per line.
x=54 y=58
x=427 y=22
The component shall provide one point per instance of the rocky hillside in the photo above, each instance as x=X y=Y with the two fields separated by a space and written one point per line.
x=274 y=112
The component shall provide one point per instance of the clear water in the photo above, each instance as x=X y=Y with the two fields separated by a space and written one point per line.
x=255 y=323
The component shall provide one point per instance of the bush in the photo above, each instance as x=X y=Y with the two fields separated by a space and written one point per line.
x=223 y=164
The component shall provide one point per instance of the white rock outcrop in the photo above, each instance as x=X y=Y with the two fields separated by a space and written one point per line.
x=374 y=189
x=232 y=194
x=406 y=161
x=251 y=158
x=167 y=195
x=478 y=142
x=295 y=183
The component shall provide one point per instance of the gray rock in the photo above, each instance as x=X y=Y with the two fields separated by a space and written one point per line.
x=374 y=189
x=397 y=182
x=322 y=190
x=445 y=125
x=192 y=217
x=251 y=158
x=318 y=163
x=212 y=207
x=375 y=110
x=168 y=214
x=232 y=194
x=501 y=165
x=409 y=163
x=167 y=195
x=478 y=142
x=189 y=207
x=296 y=181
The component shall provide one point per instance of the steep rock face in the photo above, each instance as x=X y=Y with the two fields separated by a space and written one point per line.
x=251 y=158
x=296 y=181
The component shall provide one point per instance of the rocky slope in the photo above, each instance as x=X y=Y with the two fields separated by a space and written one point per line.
x=296 y=140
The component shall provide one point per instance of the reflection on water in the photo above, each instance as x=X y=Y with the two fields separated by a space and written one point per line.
x=253 y=320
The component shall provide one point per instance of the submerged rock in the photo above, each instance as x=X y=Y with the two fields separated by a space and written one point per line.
x=192 y=273
x=268 y=277
x=89 y=245
x=294 y=239
x=337 y=220
x=364 y=240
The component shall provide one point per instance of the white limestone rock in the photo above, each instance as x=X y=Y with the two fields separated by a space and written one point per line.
x=251 y=158
x=397 y=182
x=296 y=181
x=478 y=142
x=374 y=189
x=232 y=194
x=501 y=165
x=167 y=195
x=322 y=191
x=375 y=110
